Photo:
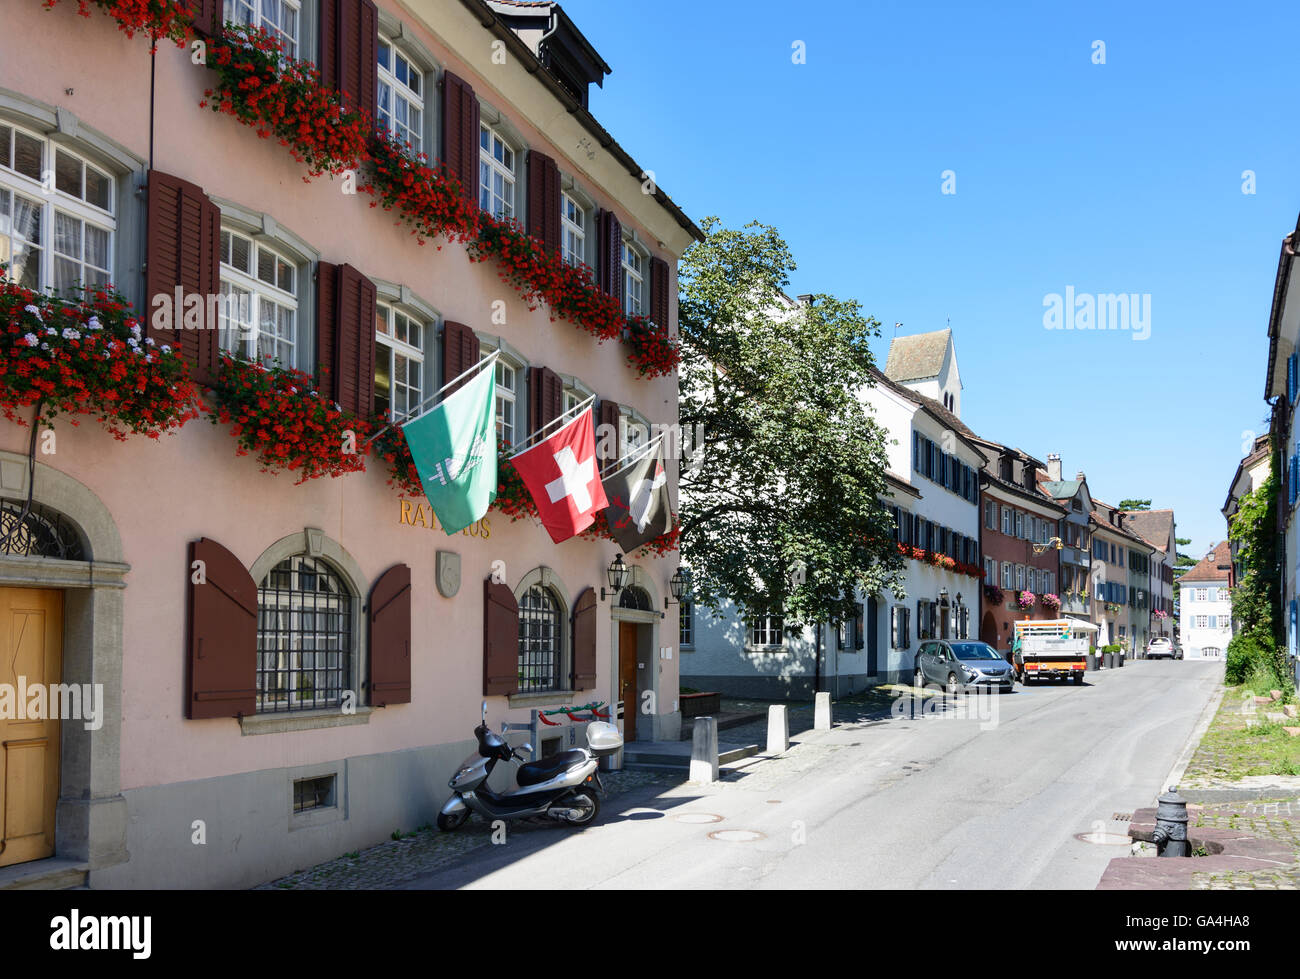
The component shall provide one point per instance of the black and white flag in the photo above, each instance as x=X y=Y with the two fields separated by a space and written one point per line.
x=639 y=509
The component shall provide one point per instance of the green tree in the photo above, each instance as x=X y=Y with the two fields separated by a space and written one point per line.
x=1135 y=504
x=780 y=507
x=1256 y=609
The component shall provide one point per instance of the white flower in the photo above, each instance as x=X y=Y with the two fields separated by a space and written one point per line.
x=32 y=339
x=45 y=346
x=51 y=331
x=94 y=324
x=107 y=355
x=148 y=358
x=70 y=334
x=149 y=341
x=33 y=310
x=135 y=330
x=292 y=389
x=165 y=349
x=132 y=341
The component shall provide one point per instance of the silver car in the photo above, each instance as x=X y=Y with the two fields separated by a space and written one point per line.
x=960 y=664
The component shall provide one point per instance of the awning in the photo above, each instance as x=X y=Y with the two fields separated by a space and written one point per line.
x=1083 y=624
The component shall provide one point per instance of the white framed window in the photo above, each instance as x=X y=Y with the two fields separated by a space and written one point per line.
x=1008 y=526
x=990 y=571
x=399 y=362
x=1020 y=524
x=1008 y=572
x=1020 y=577
x=686 y=635
x=508 y=394
x=259 y=301
x=1201 y=594
x=496 y=169
x=1202 y=622
x=766 y=630
x=59 y=240
x=633 y=280
x=635 y=433
x=573 y=235
x=279 y=18
x=400 y=102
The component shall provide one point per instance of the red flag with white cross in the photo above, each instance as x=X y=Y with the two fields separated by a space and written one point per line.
x=562 y=475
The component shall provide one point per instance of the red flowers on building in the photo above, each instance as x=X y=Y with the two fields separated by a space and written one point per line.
x=277 y=414
x=89 y=356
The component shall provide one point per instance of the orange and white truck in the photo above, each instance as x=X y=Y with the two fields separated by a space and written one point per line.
x=1049 y=649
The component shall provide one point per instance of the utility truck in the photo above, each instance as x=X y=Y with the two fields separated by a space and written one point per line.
x=1049 y=649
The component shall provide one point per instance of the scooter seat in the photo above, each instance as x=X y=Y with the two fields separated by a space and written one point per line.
x=536 y=772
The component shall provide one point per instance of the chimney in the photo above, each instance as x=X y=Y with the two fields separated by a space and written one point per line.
x=1054 y=467
x=806 y=299
x=1079 y=475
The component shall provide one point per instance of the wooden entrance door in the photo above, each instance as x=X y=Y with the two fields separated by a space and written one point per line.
x=31 y=650
x=627 y=688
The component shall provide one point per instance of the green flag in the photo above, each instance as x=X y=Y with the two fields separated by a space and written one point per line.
x=454 y=446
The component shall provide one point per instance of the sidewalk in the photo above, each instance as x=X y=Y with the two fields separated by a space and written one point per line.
x=1242 y=786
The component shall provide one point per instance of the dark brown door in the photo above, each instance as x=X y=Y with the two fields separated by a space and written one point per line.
x=627 y=689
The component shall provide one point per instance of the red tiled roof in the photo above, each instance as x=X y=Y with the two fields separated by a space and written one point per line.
x=1216 y=566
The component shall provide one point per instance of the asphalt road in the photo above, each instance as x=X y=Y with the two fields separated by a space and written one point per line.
x=986 y=793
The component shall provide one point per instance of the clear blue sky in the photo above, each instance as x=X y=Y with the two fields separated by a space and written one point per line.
x=1122 y=177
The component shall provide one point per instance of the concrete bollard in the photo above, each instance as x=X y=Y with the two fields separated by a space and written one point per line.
x=822 y=712
x=704 y=750
x=778 y=729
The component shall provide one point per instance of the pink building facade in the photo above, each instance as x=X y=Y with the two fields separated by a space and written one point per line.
x=154 y=797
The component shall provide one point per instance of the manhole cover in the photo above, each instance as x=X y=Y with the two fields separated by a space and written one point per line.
x=697 y=817
x=1103 y=839
x=737 y=835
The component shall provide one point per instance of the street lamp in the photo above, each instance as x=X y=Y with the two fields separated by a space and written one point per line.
x=676 y=585
x=617 y=573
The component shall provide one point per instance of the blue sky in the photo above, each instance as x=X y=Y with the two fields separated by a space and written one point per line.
x=1116 y=177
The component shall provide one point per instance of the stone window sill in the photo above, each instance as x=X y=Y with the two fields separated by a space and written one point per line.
x=307 y=720
x=544 y=698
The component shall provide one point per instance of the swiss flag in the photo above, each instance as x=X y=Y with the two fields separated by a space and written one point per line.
x=562 y=475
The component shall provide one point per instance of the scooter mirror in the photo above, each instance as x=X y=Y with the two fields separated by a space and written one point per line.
x=526 y=748
x=485 y=712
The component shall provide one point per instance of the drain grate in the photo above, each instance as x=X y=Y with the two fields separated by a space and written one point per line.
x=1122 y=817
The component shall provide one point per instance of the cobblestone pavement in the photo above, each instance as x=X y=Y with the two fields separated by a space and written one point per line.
x=426 y=849
x=1273 y=819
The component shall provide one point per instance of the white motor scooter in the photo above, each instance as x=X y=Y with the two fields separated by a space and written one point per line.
x=563 y=787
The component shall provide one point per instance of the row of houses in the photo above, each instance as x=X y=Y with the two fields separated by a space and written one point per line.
x=990 y=535
x=321 y=692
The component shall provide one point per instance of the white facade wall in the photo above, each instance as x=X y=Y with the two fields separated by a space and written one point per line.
x=1205 y=641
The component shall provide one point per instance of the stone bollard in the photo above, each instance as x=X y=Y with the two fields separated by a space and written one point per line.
x=778 y=729
x=822 y=712
x=704 y=750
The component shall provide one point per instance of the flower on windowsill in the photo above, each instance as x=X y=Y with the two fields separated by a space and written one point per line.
x=1050 y=601
x=1026 y=599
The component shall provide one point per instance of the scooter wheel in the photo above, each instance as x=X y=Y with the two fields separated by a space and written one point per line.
x=584 y=800
x=447 y=822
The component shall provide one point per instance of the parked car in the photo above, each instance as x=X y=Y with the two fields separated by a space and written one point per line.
x=959 y=665
x=1162 y=648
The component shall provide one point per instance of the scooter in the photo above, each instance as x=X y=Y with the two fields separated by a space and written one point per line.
x=563 y=787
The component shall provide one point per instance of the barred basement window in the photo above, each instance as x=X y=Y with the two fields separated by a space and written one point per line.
x=304 y=637
x=313 y=793
x=539 y=640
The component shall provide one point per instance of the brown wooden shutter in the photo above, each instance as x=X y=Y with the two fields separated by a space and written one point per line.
x=354 y=343
x=610 y=413
x=611 y=254
x=460 y=352
x=544 y=200
x=221 y=635
x=207 y=17
x=183 y=242
x=460 y=132
x=659 y=292
x=327 y=312
x=390 y=638
x=545 y=396
x=349 y=50
x=500 y=639
x=584 y=641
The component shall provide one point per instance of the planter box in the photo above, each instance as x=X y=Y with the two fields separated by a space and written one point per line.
x=700 y=704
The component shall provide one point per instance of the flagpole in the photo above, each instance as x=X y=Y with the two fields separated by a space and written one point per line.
x=410 y=416
x=575 y=411
x=640 y=454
